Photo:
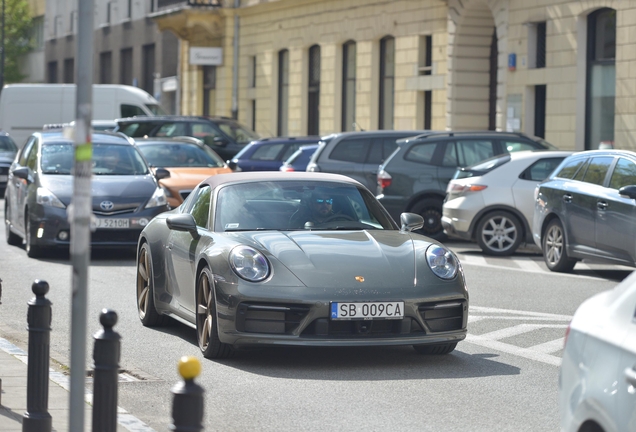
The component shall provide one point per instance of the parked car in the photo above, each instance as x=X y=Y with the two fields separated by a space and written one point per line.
x=8 y=150
x=300 y=159
x=125 y=195
x=223 y=135
x=245 y=278
x=598 y=369
x=492 y=202
x=356 y=154
x=415 y=176
x=587 y=209
x=187 y=161
x=268 y=154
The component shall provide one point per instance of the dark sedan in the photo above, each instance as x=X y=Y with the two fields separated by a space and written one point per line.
x=587 y=210
x=125 y=194
x=308 y=259
x=268 y=154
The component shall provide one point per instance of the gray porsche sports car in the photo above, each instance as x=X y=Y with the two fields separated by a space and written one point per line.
x=269 y=258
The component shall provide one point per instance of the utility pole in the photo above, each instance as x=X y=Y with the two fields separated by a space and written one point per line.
x=2 y=56
x=80 y=211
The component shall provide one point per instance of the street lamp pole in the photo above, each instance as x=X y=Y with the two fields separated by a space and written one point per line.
x=2 y=56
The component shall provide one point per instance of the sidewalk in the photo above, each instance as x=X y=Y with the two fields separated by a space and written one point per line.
x=13 y=373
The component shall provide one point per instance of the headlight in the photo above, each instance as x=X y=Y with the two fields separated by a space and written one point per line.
x=249 y=263
x=45 y=197
x=442 y=261
x=157 y=199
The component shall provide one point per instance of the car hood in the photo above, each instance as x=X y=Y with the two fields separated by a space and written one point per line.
x=133 y=189
x=336 y=258
x=190 y=177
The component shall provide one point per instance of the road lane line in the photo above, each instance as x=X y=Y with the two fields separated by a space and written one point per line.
x=491 y=310
x=510 y=331
x=549 y=347
x=530 y=265
x=514 y=350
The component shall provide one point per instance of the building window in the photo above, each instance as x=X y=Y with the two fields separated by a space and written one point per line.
x=125 y=66
x=37 y=33
x=541 y=38
x=72 y=27
x=148 y=68
x=348 y=86
x=209 y=90
x=539 y=110
x=106 y=67
x=52 y=72
x=69 y=71
x=601 y=77
x=387 y=81
x=313 y=96
x=252 y=72
x=428 y=109
x=283 y=91
x=253 y=114
x=109 y=12
x=129 y=9
x=425 y=55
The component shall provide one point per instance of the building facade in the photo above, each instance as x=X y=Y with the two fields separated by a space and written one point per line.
x=564 y=70
x=32 y=63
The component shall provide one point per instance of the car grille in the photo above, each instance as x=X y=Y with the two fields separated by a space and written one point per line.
x=444 y=316
x=267 y=318
x=118 y=208
x=361 y=329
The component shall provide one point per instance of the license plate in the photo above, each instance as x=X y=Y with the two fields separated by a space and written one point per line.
x=4 y=178
x=367 y=310
x=112 y=223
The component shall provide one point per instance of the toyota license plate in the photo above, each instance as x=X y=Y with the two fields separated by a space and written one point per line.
x=367 y=310
x=112 y=223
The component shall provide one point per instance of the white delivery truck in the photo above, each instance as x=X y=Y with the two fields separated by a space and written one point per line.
x=25 y=108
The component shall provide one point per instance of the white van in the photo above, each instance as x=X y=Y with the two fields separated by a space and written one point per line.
x=25 y=108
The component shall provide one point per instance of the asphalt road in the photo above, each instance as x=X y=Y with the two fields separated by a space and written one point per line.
x=504 y=377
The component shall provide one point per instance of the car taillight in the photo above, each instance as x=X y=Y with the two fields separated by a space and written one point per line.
x=384 y=179
x=286 y=168
x=460 y=189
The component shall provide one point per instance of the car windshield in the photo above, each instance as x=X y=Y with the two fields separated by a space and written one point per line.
x=108 y=159
x=482 y=167
x=298 y=205
x=7 y=144
x=180 y=155
x=239 y=133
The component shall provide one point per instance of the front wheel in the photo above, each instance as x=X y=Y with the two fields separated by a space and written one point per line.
x=207 y=328
x=555 y=254
x=32 y=250
x=146 y=309
x=499 y=233
x=437 y=349
x=431 y=210
x=12 y=238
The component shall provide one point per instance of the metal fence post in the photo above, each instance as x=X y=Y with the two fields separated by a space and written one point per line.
x=36 y=418
x=187 y=403
x=106 y=355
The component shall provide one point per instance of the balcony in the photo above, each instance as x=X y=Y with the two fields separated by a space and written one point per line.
x=171 y=4
x=196 y=21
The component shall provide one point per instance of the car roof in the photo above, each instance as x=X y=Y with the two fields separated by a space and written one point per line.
x=278 y=140
x=175 y=118
x=532 y=154
x=101 y=137
x=168 y=140
x=449 y=134
x=260 y=176
x=609 y=152
x=372 y=133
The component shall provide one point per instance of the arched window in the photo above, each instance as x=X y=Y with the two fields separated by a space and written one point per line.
x=313 y=96
x=601 y=77
x=348 y=86
x=283 y=92
x=387 y=78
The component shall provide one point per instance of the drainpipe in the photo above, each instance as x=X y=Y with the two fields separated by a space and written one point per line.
x=235 y=71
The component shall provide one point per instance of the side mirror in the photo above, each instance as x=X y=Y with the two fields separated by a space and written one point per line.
x=183 y=222
x=410 y=222
x=628 y=191
x=212 y=141
x=232 y=164
x=22 y=172
x=161 y=173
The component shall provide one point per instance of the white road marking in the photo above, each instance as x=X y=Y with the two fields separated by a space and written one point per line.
x=514 y=350
x=530 y=265
x=548 y=316
x=549 y=347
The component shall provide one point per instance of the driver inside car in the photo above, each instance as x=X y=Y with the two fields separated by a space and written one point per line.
x=319 y=209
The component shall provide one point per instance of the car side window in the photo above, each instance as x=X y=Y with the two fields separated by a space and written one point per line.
x=597 y=170
x=25 y=151
x=267 y=152
x=541 y=169
x=200 y=209
x=470 y=152
x=290 y=150
x=202 y=130
x=380 y=149
x=131 y=110
x=32 y=158
x=570 y=168
x=624 y=174
x=172 y=129
x=515 y=146
x=581 y=172
x=352 y=150
x=422 y=153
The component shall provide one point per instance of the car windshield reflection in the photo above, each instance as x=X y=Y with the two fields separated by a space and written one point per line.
x=108 y=159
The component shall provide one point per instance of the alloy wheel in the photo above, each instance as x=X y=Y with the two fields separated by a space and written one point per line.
x=499 y=233
x=143 y=282
x=554 y=244
x=205 y=309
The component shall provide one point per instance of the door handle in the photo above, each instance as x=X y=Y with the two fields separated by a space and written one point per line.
x=567 y=198
x=601 y=205
x=630 y=376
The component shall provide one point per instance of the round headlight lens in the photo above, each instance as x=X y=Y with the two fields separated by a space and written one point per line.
x=249 y=264
x=442 y=261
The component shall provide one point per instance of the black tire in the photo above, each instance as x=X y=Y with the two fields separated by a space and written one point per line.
x=431 y=210
x=207 y=329
x=437 y=349
x=554 y=248
x=146 y=308
x=32 y=250
x=499 y=233
x=12 y=238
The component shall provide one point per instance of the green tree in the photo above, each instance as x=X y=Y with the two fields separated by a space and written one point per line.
x=17 y=37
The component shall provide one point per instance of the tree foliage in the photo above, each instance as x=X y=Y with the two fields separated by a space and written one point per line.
x=17 y=37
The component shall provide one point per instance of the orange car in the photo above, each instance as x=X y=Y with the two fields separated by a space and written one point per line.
x=188 y=161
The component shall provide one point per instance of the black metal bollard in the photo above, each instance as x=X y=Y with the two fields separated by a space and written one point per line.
x=36 y=418
x=187 y=403
x=106 y=355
